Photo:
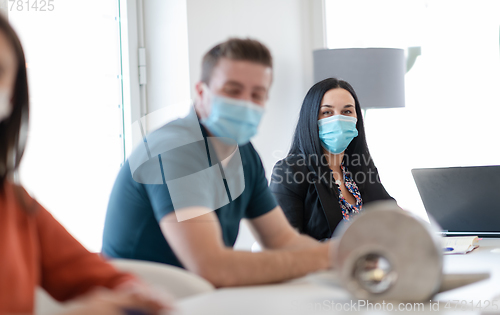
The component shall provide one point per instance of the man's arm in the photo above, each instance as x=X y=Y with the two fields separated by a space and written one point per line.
x=199 y=246
x=273 y=231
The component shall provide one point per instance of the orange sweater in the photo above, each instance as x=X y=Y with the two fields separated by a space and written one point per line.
x=36 y=250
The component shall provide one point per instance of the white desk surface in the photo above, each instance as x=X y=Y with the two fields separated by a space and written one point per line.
x=320 y=293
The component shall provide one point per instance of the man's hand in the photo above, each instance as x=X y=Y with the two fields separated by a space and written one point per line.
x=118 y=302
x=273 y=231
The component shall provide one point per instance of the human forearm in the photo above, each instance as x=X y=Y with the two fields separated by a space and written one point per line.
x=199 y=247
x=273 y=231
x=299 y=241
x=236 y=268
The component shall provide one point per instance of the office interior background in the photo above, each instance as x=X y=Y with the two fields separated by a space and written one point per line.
x=88 y=85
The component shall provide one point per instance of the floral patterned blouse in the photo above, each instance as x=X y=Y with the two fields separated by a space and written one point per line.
x=349 y=210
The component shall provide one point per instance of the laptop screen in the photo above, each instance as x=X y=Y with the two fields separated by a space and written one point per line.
x=462 y=200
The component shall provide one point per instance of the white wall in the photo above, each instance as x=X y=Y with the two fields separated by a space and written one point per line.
x=291 y=29
x=130 y=70
x=166 y=41
x=74 y=147
x=164 y=33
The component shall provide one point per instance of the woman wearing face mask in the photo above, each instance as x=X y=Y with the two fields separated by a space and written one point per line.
x=35 y=250
x=328 y=175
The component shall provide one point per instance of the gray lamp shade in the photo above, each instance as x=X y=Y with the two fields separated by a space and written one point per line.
x=376 y=74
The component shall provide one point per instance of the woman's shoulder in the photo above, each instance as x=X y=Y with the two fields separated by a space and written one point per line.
x=14 y=195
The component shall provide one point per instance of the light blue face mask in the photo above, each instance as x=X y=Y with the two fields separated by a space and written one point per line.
x=336 y=132
x=233 y=118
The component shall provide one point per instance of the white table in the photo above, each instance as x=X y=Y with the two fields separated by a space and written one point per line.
x=321 y=293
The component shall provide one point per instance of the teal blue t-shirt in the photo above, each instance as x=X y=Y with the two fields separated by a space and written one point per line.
x=135 y=209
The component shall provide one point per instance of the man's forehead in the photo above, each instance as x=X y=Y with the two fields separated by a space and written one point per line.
x=243 y=72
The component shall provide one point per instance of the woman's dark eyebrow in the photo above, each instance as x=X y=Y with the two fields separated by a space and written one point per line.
x=346 y=106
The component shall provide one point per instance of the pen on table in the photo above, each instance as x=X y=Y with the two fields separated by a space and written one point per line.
x=447 y=249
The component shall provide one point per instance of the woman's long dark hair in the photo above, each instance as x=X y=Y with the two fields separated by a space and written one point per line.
x=13 y=128
x=306 y=140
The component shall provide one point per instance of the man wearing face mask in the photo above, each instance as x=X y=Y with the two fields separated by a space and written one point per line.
x=211 y=177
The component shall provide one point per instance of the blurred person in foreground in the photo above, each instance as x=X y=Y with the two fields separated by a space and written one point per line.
x=35 y=250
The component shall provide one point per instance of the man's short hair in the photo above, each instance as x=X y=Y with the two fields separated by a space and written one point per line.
x=236 y=49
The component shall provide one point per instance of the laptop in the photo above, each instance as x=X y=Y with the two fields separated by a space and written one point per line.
x=462 y=200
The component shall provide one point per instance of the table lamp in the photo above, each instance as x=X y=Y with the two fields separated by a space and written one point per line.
x=376 y=74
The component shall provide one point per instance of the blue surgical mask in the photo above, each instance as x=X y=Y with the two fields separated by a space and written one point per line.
x=233 y=118
x=336 y=132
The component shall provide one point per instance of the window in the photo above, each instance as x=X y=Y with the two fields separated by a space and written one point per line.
x=75 y=142
x=452 y=99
